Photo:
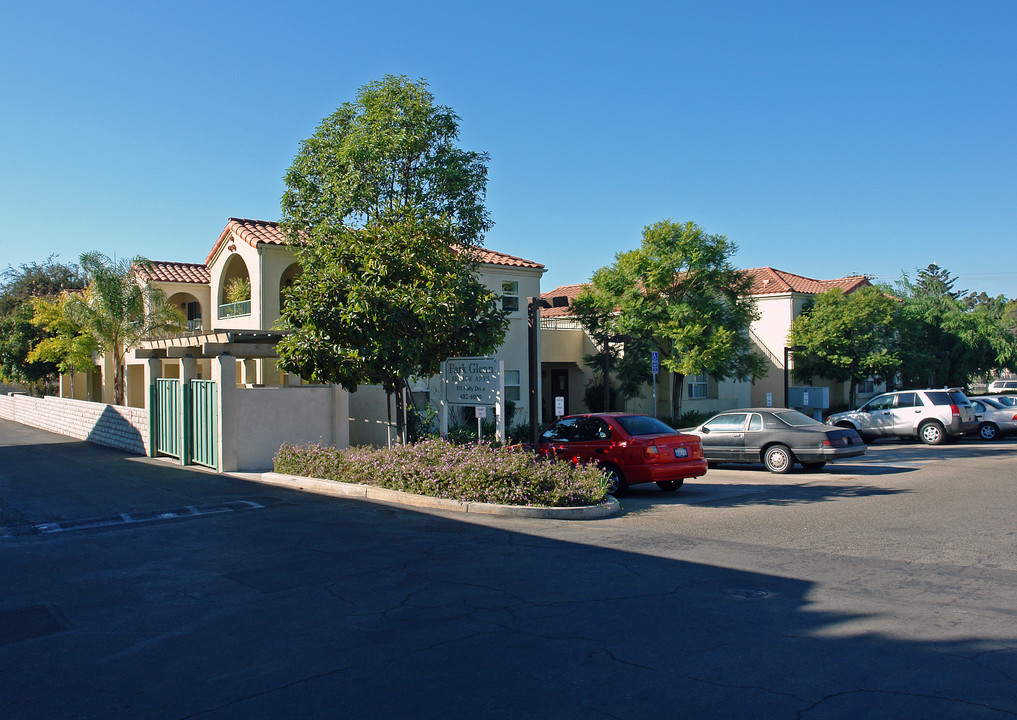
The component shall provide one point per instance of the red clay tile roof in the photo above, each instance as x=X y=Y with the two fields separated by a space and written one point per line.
x=163 y=271
x=263 y=232
x=768 y=281
x=491 y=257
x=253 y=232
x=765 y=281
x=568 y=291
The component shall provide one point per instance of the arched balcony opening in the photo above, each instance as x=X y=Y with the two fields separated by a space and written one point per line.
x=286 y=281
x=190 y=308
x=234 y=289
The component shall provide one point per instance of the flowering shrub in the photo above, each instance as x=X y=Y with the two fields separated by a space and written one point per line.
x=471 y=473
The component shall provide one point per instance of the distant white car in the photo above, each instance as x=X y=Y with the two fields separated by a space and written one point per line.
x=994 y=418
x=1002 y=386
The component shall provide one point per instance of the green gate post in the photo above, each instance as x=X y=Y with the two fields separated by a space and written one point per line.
x=188 y=372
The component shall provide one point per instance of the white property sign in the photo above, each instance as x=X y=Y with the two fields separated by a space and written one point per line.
x=472 y=381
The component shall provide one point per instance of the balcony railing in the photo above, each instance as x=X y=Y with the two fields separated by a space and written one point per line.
x=232 y=310
x=560 y=323
x=194 y=325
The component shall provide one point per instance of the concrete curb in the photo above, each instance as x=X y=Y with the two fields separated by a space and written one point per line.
x=396 y=497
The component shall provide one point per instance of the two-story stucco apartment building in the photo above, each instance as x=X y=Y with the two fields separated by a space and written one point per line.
x=780 y=297
x=246 y=330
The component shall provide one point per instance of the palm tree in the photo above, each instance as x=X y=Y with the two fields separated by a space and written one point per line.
x=118 y=309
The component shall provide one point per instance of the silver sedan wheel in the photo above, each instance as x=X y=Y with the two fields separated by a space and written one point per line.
x=988 y=431
x=778 y=459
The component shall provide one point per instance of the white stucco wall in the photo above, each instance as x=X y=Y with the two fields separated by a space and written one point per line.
x=265 y=418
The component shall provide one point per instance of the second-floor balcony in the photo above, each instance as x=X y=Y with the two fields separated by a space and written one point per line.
x=194 y=325
x=237 y=309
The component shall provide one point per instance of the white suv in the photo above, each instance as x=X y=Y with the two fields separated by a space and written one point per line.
x=1002 y=386
x=934 y=416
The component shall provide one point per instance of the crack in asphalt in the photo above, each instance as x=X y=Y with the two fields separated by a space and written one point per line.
x=732 y=686
x=263 y=693
x=803 y=713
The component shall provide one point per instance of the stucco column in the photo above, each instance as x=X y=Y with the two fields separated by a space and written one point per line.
x=224 y=372
x=108 y=369
x=247 y=372
x=153 y=371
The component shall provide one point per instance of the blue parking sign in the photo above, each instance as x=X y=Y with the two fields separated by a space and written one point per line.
x=654 y=362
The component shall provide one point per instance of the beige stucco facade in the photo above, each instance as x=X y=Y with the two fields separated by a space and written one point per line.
x=770 y=335
x=368 y=412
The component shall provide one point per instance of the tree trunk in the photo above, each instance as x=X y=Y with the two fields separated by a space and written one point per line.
x=606 y=370
x=118 y=385
x=677 y=387
x=401 y=410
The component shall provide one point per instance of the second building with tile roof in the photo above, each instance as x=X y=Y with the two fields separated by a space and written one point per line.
x=780 y=297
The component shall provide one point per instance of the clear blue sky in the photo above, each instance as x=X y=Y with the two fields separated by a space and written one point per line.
x=823 y=138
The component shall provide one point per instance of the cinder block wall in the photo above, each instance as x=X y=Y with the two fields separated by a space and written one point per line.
x=125 y=428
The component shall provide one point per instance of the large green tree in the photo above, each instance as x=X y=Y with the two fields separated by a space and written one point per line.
x=947 y=337
x=21 y=290
x=678 y=294
x=19 y=337
x=386 y=214
x=118 y=308
x=847 y=337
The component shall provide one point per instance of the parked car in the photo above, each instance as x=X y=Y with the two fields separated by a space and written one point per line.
x=934 y=416
x=1002 y=386
x=1008 y=400
x=994 y=418
x=630 y=448
x=776 y=437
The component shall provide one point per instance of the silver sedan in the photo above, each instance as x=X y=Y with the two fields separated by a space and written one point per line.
x=994 y=418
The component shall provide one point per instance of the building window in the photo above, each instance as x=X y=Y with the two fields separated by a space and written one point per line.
x=699 y=386
x=193 y=312
x=512 y=385
x=509 y=295
x=866 y=387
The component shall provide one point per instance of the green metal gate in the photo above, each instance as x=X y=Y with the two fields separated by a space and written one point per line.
x=167 y=417
x=203 y=422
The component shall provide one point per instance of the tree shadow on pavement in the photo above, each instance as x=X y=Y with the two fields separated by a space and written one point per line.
x=324 y=607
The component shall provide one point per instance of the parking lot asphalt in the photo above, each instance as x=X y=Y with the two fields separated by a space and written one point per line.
x=131 y=588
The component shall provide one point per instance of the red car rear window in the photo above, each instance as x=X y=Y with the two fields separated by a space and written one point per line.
x=644 y=425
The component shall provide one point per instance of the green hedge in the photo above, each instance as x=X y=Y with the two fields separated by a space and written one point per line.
x=470 y=473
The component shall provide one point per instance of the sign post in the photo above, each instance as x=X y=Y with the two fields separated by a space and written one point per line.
x=655 y=366
x=481 y=412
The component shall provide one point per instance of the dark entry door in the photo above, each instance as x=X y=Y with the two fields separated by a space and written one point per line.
x=560 y=388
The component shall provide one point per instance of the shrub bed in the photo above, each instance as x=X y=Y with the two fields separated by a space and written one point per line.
x=470 y=473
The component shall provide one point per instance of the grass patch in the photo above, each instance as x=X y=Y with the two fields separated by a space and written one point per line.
x=470 y=473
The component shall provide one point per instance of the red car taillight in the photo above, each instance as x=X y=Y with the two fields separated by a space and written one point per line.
x=954 y=410
x=650 y=452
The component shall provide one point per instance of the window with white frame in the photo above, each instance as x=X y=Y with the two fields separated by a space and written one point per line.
x=510 y=295
x=512 y=385
x=699 y=386
x=867 y=387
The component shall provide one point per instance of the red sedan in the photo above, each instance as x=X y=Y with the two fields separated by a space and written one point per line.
x=631 y=448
